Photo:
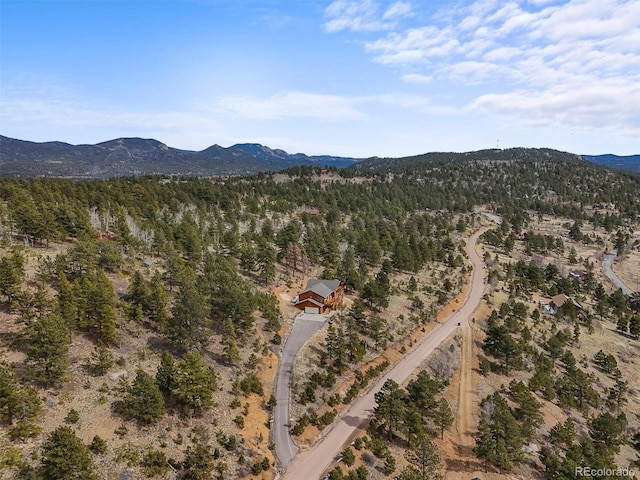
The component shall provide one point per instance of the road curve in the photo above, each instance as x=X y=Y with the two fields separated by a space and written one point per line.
x=304 y=326
x=608 y=271
x=313 y=463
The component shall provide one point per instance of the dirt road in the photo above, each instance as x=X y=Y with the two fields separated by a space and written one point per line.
x=312 y=463
x=466 y=395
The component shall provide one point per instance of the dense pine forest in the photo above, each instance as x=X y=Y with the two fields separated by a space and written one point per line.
x=142 y=318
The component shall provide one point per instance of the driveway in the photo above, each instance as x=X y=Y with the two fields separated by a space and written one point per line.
x=304 y=326
x=608 y=271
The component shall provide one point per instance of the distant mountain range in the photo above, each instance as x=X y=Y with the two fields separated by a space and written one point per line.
x=630 y=163
x=138 y=156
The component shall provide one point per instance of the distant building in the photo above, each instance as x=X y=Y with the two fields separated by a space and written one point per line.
x=302 y=211
x=579 y=275
x=320 y=296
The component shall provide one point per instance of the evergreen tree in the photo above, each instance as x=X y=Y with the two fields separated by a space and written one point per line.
x=66 y=302
x=500 y=343
x=424 y=460
x=96 y=302
x=607 y=431
x=165 y=376
x=65 y=457
x=101 y=359
x=634 y=326
x=16 y=401
x=499 y=439
x=157 y=302
x=390 y=405
x=442 y=416
x=193 y=384
x=266 y=260
x=230 y=343
x=143 y=399
x=48 y=349
x=11 y=275
x=138 y=293
x=422 y=391
x=186 y=327
x=528 y=412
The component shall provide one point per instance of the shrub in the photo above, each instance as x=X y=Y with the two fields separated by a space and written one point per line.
x=98 y=445
x=154 y=463
x=72 y=416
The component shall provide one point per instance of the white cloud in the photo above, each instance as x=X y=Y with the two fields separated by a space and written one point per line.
x=364 y=15
x=397 y=10
x=417 y=78
x=577 y=61
x=609 y=104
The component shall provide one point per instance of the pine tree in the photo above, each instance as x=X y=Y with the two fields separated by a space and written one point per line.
x=48 y=349
x=499 y=439
x=16 y=401
x=425 y=462
x=634 y=326
x=390 y=405
x=422 y=391
x=11 y=275
x=193 y=384
x=65 y=457
x=229 y=341
x=101 y=359
x=528 y=411
x=143 y=399
x=66 y=302
x=96 y=305
x=442 y=416
x=165 y=376
x=607 y=431
x=186 y=326
x=266 y=260
x=157 y=302
x=138 y=293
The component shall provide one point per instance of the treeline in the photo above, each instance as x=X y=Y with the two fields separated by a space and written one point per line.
x=516 y=180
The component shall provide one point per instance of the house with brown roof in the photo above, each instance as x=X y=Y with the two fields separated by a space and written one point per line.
x=320 y=296
x=557 y=301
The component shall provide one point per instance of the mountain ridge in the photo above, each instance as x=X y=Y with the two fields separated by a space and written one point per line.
x=127 y=156
x=629 y=163
x=131 y=156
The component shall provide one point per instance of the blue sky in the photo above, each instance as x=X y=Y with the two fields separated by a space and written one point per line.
x=344 y=77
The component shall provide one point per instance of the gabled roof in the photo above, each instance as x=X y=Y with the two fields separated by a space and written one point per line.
x=310 y=300
x=559 y=300
x=324 y=288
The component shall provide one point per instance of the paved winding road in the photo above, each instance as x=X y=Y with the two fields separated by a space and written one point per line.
x=311 y=464
x=608 y=271
x=304 y=326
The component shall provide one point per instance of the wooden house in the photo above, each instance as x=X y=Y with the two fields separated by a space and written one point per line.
x=320 y=296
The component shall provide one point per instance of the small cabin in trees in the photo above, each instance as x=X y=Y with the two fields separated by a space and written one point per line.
x=561 y=300
x=320 y=296
x=302 y=211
